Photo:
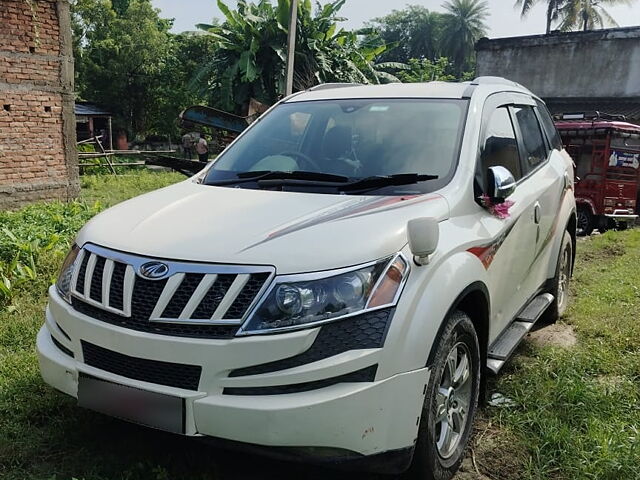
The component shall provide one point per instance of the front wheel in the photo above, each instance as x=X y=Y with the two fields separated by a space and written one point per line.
x=585 y=222
x=450 y=402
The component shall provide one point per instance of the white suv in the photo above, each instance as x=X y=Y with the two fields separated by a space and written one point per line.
x=336 y=284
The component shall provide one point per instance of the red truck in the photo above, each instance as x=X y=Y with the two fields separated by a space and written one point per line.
x=606 y=152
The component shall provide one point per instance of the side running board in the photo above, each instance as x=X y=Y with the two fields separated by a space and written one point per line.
x=510 y=338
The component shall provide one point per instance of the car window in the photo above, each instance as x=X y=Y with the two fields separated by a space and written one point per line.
x=548 y=126
x=535 y=150
x=500 y=147
x=356 y=138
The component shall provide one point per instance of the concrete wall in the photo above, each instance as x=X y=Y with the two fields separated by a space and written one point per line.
x=38 y=159
x=600 y=63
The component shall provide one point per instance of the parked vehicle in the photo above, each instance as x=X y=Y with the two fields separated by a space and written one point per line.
x=606 y=152
x=336 y=284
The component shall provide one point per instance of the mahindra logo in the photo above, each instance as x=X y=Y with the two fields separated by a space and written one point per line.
x=154 y=270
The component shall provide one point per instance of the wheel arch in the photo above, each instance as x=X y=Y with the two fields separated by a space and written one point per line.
x=586 y=204
x=475 y=301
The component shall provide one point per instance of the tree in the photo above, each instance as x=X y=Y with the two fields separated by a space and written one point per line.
x=120 y=57
x=425 y=70
x=464 y=25
x=553 y=10
x=588 y=14
x=414 y=32
x=251 y=52
x=178 y=85
x=575 y=14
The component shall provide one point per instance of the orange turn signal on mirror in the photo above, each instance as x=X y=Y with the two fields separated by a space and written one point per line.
x=386 y=290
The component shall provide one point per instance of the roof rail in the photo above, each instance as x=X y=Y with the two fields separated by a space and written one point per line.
x=488 y=80
x=328 y=86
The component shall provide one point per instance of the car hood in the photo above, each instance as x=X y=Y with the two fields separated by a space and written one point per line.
x=295 y=232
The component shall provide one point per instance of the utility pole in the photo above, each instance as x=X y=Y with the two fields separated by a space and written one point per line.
x=291 y=49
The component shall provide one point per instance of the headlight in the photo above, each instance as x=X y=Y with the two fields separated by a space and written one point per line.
x=63 y=284
x=302 y=301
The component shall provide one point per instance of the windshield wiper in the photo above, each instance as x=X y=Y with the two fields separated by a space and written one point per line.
x=276 y=178
x=282 y=178
x=379 y=181
x=344 y=184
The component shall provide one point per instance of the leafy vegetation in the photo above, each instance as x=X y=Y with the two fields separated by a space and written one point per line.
x=251 y=52
x=575 y=14
x=464 y=25
x=127 y=60
x=419 y=35
x=120 y=52
x=34 y=240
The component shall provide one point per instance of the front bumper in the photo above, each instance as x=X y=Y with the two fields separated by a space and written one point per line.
x=356 y=418
x=621 y=216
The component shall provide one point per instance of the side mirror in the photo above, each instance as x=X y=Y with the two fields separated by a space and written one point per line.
x=501 y=183
x=423 y=234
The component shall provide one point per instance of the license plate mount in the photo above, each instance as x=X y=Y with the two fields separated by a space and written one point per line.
x=151 y=409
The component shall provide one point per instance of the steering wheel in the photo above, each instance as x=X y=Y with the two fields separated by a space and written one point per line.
x=308 y=161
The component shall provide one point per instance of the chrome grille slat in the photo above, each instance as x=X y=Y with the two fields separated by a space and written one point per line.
x=191 y=294
x=107 y=272
x=88 y=275
x=234 y=290
x=167 y=294
x=203 y=287
x=127 y=297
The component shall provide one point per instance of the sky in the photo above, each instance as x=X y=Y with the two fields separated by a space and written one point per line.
x=504 y=21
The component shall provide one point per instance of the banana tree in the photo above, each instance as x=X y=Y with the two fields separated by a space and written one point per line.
x=250 y=60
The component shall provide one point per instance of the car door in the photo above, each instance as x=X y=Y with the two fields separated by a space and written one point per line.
x=511 y=240
x=545 y=172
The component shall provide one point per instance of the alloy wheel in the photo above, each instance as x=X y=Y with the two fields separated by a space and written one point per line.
x=563 y=280
x=453 y=399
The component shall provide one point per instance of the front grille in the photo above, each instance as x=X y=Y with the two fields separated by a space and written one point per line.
x=139 y=322
x=153 y=371
x=363 y=331
x=367 y=374
x=194 y=300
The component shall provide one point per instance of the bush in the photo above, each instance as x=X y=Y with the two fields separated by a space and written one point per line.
x=26 y=235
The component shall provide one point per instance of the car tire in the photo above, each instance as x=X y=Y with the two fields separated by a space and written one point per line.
x=585 y=222
x=450 y=402
x=560 y=286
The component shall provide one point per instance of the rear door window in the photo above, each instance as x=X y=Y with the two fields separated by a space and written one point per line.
x=534 y=147
x=548 y=126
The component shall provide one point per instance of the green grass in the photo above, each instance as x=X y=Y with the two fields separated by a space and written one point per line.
x=578 y=409
x=577 y=413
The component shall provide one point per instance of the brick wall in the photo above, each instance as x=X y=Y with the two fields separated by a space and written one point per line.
x=37 y=126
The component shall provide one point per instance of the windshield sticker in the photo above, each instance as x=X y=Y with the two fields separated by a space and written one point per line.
x=379 y=108
x=624 y=159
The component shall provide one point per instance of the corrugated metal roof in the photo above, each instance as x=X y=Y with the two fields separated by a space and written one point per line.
x=629 y=107
x=90 y=110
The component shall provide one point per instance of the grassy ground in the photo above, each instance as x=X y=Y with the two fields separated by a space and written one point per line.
x=578 y=408
x=576 y=413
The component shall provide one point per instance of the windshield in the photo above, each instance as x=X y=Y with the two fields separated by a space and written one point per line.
x=348 y=140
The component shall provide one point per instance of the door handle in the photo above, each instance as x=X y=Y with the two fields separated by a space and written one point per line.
x=536 y=213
